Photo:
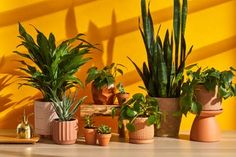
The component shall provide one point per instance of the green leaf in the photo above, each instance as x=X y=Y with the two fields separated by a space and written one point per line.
x=151 y=120
x=130 y=127
x=131 y=113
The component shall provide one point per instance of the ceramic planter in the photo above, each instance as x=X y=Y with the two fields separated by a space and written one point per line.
x=103 y=139
x=171 y=124
x=65 y=132
x=122 y=98
x=104 y=95
x=44 y=115
x=90 y=136
x=142 y=133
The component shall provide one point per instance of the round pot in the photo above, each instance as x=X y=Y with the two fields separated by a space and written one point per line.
x=142 y=133
x=65 y=132
x=122 y=98
x=90 y=136
x=103 y=139
x=209 y=100
x=104 y=95
x=44 y=114
x=171 y=124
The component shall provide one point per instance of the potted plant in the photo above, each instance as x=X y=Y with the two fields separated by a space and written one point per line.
x=162 y=75
x=103 y=83
x=142 y=112
x=89 y=130
x=103 y=135
x=122 y=96
x=65 y=128
x=53 y=70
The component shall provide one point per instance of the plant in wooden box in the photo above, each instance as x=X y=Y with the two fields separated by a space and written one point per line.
x=202 y=94
x=89 y=130
x=65 y=128
x=163 y=74
x=103 y=83
x=122 y=96
x=103 y=135
x=52 y=70
x=142 y=113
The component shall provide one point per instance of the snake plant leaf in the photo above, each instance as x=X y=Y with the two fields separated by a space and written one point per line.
x=184 y=16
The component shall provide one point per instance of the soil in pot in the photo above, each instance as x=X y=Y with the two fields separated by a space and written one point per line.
x=65 y=132
x=122 y=98
x=103 y=139
x=90 y=136
x=104 y=95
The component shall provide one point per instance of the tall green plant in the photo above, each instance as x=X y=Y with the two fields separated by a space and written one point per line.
x=162 y=75
x=53 y=66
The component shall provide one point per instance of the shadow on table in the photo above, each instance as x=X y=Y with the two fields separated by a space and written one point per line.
x=23 y=154
x=184 y=137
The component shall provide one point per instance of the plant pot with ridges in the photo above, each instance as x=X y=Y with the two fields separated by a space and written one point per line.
x=103 y=135
x=89 y=130
x=52 y=71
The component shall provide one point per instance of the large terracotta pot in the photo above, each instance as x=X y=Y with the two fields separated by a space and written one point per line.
x=90 y=136
x=209 y=99
x=104 y=96
x=44 y=115
x=171 y=124
x=103 y=139
x=65 y=132
x=122 y=98
x=142 y=133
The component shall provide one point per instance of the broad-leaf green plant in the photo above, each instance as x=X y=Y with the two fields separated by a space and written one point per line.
x=162 y=75
x=51 y=68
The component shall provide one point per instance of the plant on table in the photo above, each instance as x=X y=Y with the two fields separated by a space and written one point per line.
x=122 y=95
x=104 y=135
x=89 y=130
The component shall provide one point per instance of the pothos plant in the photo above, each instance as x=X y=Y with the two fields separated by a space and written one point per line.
x=105 y=76
x=139 y=106
x=210 y=78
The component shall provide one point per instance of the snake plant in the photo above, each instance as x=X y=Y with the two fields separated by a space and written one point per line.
x=162 y=75
x=54 y=67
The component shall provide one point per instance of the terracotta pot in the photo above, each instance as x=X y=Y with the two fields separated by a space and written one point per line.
x=103 y=139
x=122 y=98
x=209 y=99
x=205 y=127
x=104 y=96
x=65 y=132
x=90 y=136
x=142 y=133
x=44 y=114
x=171 y=124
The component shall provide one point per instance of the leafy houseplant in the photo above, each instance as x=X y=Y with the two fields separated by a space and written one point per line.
x=52 y=70
x=162 y=75
x=65 y=127
x=141 y=112
x=89 y=130
x=104 y=135
x=103 y=88
x=122 y=96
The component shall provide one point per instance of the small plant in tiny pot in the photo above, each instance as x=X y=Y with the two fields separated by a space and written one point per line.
x=103 y=135
x=89 y=130
x=142 y=112
x=122 y=96
x=103 y=83
x=205 y=88
x=65 y=128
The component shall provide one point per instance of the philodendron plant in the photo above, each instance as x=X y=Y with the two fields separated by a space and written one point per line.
x=139 y=106
x=210 y=78
x=54 y=67
x=163 y=75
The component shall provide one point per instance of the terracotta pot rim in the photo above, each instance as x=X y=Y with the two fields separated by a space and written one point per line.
x=91 y=128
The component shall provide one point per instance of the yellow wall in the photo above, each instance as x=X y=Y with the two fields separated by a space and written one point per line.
x=113 y=24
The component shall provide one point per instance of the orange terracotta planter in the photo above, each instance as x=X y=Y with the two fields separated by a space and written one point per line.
x=90 y=136
x=65 y=132
x=143 y=133
x=103 y=139
x=169 y=126
x=122 y=98
x=44 y=114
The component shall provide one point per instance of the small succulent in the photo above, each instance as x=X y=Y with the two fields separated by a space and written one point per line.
x=88 y=122
x=104 y=129
x=121 y=88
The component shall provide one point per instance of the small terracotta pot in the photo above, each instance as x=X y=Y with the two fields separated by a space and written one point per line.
x=142 y=133
x=44 y=114
x=90 y=136
x=65 y=132
x=171 y=124
x=103 y=139
x=122 y=98
x=103 y=96
x=209 y=100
